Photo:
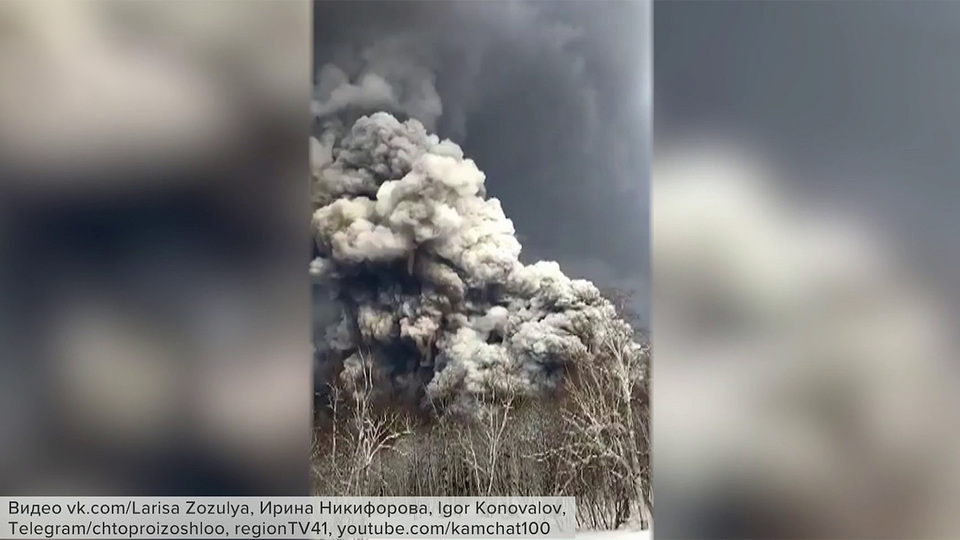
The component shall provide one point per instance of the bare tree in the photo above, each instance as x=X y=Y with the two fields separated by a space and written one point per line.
x=591 y=439
x=606 y=417
x=482 y=441
x=327 y=473
x=373 y=429
x=360 y=432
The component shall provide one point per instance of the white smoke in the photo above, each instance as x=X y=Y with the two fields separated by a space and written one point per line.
x=389 y=78
x=427 y=271
x=337 y=92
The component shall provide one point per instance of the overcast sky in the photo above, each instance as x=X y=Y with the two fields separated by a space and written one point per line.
x=859 y=102
x=550 y=98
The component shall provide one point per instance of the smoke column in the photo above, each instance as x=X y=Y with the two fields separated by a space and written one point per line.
x=425 y=272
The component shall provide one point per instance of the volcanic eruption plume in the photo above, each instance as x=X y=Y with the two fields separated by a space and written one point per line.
x=425 y=272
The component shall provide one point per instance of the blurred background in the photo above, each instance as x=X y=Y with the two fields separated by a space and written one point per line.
x=804 y=263
x=154 y=323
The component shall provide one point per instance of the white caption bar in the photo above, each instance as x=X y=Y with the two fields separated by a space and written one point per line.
x=286 y=517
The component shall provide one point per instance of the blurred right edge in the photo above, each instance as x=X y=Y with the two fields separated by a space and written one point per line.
x=804 y=256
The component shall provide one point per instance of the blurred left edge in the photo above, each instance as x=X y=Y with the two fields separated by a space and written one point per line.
x=154 y=306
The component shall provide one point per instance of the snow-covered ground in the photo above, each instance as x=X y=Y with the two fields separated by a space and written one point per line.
x=616 y=535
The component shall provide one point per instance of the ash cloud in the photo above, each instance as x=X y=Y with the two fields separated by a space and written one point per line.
x=386 y=75
x=426 y=271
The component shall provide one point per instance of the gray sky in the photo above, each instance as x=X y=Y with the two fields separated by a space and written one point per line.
x=858 y=100
x=549 y=98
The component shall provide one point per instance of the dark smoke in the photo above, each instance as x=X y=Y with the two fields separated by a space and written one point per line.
x=423 y=269
x=426 y=272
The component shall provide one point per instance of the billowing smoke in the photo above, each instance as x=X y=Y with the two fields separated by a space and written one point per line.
x=426 y=272
x=388 y=75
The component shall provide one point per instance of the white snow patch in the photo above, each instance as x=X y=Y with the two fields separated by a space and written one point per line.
x=616 y=535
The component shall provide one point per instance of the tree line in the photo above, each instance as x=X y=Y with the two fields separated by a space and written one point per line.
x=589 y=439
